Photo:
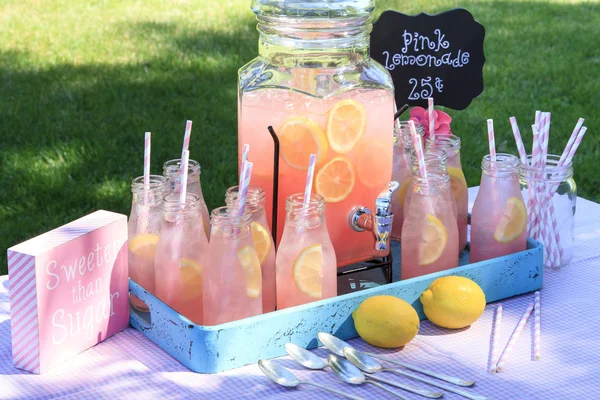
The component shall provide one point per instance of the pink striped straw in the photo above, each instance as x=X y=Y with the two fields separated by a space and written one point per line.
x=538 y=114
x=245 y=153
x=186 y=136
x=532 y=207
x=573 y=148
x=513 y=338
x=496 y=339
x=244 y=185
x=518 y=140
x=418 y=145
x=147 y=159
x=185 y=158
x=491 y=140
x=309 y=180
x=431 y=118
x=536 y=326
x=565 y=152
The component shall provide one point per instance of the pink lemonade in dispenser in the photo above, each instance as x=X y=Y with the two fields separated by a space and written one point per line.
x=336 y=103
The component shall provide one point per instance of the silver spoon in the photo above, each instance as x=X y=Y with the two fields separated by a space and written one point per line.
x=285 y=377
x=352 y=375
x=337 y=346
x=369 y=364
x=312 y=361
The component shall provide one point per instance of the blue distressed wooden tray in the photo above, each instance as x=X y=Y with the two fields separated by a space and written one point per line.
x=212 y=349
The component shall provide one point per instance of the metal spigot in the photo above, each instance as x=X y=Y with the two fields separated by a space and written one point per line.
x=361 y=218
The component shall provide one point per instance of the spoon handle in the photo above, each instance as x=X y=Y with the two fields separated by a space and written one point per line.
x=379 y=385
x=332 y=390
x=408 y=388
x=436 y=384
x=443 y=377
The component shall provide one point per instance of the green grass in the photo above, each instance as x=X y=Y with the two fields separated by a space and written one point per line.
x=82 y=80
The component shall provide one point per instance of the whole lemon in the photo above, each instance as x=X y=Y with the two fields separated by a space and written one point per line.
x=453 y=302
x=386 y=321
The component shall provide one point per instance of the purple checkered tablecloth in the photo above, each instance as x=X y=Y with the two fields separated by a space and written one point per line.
x=130 y=366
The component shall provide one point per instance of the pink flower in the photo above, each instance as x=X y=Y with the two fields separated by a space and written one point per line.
x=442 y=120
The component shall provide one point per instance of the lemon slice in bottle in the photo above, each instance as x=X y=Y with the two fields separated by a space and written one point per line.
x=433 y=242
x=252 y=273
x=190 y=276
x=513 y=221
x=458 y=183
x=307 y=271
x=144 y=246
x=262 y=241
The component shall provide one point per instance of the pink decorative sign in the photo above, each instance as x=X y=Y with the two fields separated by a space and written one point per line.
x=68 y=290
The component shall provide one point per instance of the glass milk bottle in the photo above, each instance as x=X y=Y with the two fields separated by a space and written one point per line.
x=558 y=232
x=435 y=161
x=499 y=216
x=306 y=263
x=401 y=172
x=144 y=231
x=232 y=278
x=451 y=145
x=180 y=256
x=315 y=83
x=172 y=170
x=429 y=233
x=262 y=239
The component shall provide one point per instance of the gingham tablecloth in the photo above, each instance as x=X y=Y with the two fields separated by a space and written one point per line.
x=130 y=366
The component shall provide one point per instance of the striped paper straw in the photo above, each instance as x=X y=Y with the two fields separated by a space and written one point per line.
x=565 y=152
x=418 y=145
x=244 y=185
x=536 y=326
x=547 y=236
x=185 y=158
x=518 y=140
x=245 y=153
x=538 y=115
x=186 y=136
x=431 y=112
x=147 y=159
x=532 y=201
x=491 y=140
x=496 y=339
x=309 y=180
x=513 y=338
x=573 y=148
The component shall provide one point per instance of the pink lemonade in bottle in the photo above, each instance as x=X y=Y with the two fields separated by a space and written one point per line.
x=144 y=231
x=305 y=260
x=315 y=83
x=262 y=239
x=172 y=170
x=458 y=183
x=402 y=172
x=499 y=216
x=180 y=256
x=232 y=279
x=429 y=233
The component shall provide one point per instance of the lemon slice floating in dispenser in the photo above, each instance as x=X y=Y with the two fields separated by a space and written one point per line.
x=433 y=241
x=261 y=240
x=190 y=276
x=299 y=137
x=144 y=246
x=335 y=180
x=513 y=221
x=403 y=191
x=346 y=123
x=251 y=267
x=307 y=271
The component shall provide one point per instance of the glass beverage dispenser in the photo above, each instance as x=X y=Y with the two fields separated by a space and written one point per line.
x=316 y=85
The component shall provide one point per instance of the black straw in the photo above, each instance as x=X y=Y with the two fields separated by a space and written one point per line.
x=400 y=111
x=275 y=182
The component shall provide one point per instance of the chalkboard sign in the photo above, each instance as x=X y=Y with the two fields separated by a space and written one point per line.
x=439 y=56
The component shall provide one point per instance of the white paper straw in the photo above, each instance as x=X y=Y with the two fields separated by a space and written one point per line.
x=431 y=112
x=496 y=339
x=147 y=160
x=491 y=140
x=309 y=180
x=513 y=338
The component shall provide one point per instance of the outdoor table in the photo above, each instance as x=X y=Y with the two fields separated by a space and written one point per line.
x=128 y=365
